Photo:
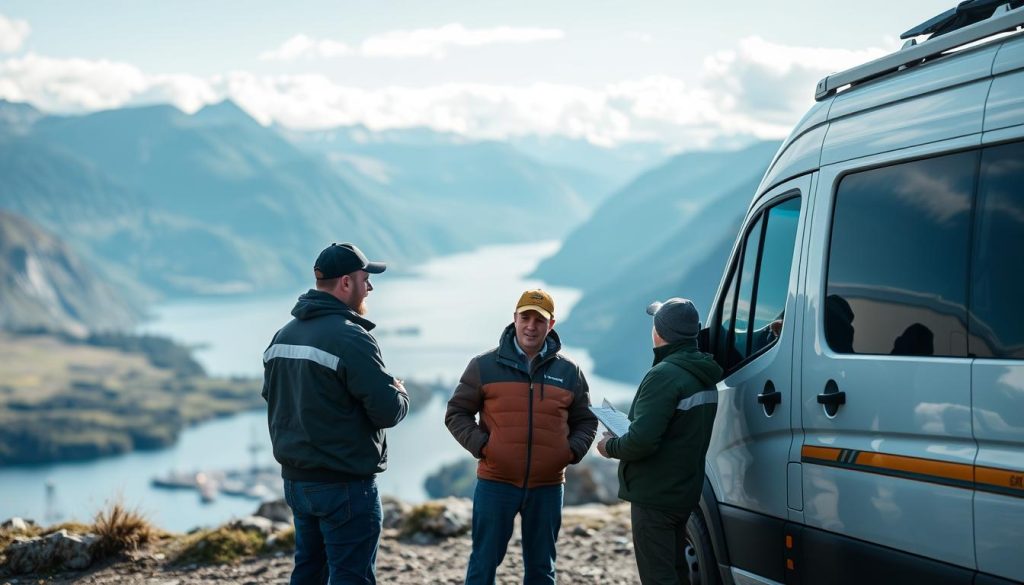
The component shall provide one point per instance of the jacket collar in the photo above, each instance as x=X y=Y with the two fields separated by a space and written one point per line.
x=316 y=303
x=509 y=353
x=660 y=353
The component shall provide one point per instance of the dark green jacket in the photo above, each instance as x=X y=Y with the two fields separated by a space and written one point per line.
x=328 y=395
x=662 y=455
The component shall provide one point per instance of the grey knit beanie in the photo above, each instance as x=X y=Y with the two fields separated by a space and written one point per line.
x=675 y=319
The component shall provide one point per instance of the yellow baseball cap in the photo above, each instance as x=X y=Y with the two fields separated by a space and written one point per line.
x=536 y=300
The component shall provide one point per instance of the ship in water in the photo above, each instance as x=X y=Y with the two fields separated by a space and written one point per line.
x=256 y=482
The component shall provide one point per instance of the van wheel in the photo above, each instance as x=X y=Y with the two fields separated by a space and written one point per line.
x=697 y=551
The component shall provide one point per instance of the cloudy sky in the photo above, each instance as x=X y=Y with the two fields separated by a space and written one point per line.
x=685 y=72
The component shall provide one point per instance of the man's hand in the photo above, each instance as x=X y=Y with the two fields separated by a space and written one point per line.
x=601 y=444
x=400 y=386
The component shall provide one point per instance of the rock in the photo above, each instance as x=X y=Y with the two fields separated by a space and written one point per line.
x=60 y=549
x=443 y=518
x=394 y=511
x=16 y=524
x=593 y=480
x=259 y=524
x=276 y=510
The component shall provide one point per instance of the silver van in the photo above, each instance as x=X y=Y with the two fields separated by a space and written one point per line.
x=870 y=321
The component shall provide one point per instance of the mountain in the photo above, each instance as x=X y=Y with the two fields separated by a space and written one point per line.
x=668 y=234
x=207 y=203
x=488 y=189
x=614 y=166
x=610 y=321
x=632 y=223
x=17 y=117
x=45 y=285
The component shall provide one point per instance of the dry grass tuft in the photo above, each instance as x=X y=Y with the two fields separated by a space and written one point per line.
x=121 y=530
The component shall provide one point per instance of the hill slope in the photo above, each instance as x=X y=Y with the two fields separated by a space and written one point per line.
x=45 y=285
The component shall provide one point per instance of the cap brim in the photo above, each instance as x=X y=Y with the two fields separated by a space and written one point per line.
x=540 y=310
x=653 y=307
x=375 y=267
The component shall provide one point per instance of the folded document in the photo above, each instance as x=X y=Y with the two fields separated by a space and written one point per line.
x=613 y=420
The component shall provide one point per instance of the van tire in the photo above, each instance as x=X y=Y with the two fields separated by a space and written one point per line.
x=697 y=550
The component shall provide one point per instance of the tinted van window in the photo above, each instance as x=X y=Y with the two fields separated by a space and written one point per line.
x=773 y=276
x=897 y=274
x=752 y=310
x=997 y=293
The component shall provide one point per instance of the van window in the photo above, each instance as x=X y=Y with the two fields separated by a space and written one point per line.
x=773 y=279
x=751 y=314
x=897 y=272
x=997 y=293
x=746 y=293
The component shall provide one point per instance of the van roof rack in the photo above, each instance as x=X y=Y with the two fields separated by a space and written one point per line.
x=970 y=21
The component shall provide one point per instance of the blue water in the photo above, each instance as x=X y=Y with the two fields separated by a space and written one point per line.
x=459 y=304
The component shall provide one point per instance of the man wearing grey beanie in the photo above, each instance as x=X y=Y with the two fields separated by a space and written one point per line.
x=661 y=457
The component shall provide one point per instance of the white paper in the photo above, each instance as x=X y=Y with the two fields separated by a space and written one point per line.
x=614 y=420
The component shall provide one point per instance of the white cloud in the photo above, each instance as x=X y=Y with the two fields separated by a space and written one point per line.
x=70 y=85
x=765 y=87
x=12 y=34
x=303 y=47
x=759 y=89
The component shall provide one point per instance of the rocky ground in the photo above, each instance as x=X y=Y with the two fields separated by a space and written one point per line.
x=594 y=547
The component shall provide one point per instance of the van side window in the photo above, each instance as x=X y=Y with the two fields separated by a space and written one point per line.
x=773 y=281
x=898 y=259
x=744 y=300
x=997 y=280
x=752 y=311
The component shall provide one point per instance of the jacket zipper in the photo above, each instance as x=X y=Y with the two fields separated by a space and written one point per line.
x=529 y=436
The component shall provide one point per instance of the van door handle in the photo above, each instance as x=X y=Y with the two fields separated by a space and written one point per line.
x=832 y=398
x=769 y=398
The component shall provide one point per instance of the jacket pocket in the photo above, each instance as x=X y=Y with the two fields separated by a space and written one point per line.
x=626 y=474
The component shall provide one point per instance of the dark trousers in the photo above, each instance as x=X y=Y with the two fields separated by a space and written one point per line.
x=337 y=531
x=495 y=505
x=658 y=540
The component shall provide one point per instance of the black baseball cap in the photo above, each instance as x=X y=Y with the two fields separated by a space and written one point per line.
x=340 y=259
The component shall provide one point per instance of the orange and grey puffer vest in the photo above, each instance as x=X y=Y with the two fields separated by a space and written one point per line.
x=534 y=419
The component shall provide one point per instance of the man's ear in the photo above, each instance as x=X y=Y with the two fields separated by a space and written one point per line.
x=551 y=325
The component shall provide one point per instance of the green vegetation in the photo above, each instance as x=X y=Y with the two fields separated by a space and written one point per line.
x=67 y=400
x=454 y=479
x=219 y=546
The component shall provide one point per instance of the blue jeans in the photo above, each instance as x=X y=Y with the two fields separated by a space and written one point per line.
x=495 y=505
x=337 y=531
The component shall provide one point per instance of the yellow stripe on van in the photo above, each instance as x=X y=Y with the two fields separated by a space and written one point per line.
x=826 y=453
x=916 y=465
x=959 y=475
x=1004 y=480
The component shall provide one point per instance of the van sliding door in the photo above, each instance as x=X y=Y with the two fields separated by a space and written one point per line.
x=886 y=407
x=996 y=337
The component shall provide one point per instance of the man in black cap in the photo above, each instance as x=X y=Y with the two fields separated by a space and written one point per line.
x=329 y=400
x=661 y=469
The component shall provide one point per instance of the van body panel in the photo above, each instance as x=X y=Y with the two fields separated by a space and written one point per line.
x=917 y=474
x=940 y=75
x=906 y=407
x=1005 y=105
x=749 y=447
x=784 y=165
x=796 y=158
x=1010 y=56
x=998 y=388
x=929 y=118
